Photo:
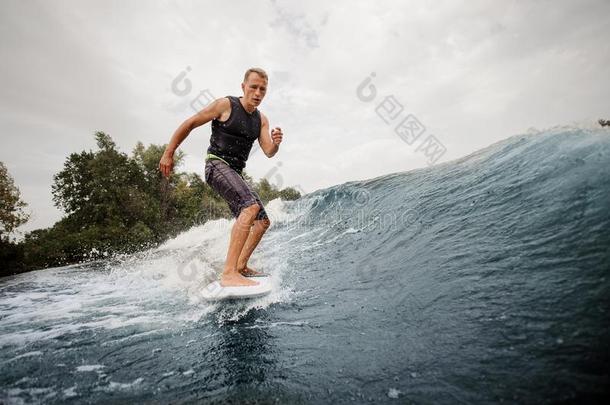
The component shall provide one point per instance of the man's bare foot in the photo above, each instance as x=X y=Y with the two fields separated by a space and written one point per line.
x=247 y=271
x=235 y=279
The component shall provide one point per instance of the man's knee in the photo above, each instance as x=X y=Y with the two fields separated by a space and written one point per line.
x=247 y=216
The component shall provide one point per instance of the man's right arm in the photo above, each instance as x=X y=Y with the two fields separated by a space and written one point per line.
x=207 y=114
x=210 y=112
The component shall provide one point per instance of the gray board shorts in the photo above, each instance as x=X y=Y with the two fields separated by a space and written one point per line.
x=232 y=187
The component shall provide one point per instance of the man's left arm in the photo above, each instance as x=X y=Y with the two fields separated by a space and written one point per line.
x=269 y=143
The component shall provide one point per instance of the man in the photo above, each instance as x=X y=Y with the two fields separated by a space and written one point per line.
x=236 y=124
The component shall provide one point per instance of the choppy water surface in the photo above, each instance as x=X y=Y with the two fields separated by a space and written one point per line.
x=477 y=281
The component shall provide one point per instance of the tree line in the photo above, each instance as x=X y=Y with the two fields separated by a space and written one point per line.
x=113 y=203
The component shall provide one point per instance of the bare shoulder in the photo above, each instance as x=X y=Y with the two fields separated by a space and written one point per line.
x=264 y=120
x=223 y=102
x=217 y=109
x=222 y=107
x=219 y=106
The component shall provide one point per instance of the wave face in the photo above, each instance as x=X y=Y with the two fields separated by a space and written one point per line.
x=480 y=280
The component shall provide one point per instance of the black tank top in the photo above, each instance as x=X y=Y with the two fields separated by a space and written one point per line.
x=232 y=139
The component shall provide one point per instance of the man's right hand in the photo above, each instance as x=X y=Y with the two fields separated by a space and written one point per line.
x=166 y=164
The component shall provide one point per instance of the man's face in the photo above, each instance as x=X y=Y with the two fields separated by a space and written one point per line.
x=254 y=89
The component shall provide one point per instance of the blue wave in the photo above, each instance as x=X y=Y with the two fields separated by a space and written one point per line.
x=492 y=266
x=481 y=280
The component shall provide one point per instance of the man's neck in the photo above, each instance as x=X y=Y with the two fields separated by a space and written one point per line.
x=249 y=109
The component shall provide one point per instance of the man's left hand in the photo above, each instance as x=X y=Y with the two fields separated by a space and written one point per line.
x=276 y=135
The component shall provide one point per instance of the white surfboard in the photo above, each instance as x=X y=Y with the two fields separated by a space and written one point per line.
x=215 y=292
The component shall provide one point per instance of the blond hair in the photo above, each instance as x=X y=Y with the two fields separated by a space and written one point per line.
x=258 y=71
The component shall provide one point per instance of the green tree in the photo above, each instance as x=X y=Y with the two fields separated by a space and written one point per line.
x=159 y=188
x=268 y=191
x=147 y=159
x=289 y=194
x=12 y=208
x=105 y=193
x=95 y=187
x=12 y=215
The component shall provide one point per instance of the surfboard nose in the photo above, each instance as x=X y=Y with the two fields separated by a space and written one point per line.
x=216 y=292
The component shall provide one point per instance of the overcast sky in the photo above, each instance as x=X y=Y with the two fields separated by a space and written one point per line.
x=471 y=73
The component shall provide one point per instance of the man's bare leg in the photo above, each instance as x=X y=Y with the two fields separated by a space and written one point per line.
x=239 y=233
x=256 y=233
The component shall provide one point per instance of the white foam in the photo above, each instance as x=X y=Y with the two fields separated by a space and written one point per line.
x=117 y=386
x=393 y=393
x=71 y=392
x=40 y=394
x=278 y=212
x=90 y=367
x=156 y=289
x=28 y=354
x=195 y=236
